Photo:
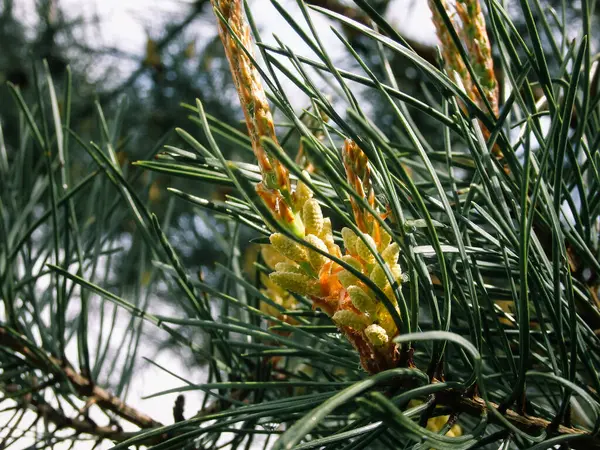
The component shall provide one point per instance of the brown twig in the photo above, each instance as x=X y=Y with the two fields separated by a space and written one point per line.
x=11 y=340
x=475 y=406
x=20 y=345
x=81 y=426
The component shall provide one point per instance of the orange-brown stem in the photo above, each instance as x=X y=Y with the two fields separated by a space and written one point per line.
x=246 y=78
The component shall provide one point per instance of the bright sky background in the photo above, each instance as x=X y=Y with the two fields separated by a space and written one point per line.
x=126 y=25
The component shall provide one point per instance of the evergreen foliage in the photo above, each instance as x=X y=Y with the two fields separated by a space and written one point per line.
x=424 y=263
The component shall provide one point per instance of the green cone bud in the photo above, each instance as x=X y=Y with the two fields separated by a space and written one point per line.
x=289 y=248
x=376 y=335
x=313 y=217
x=296 y=282
x=362 y=301
x=350 y=319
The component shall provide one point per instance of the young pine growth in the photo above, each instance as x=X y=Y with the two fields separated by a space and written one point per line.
x=472 y=29
x=351 y=304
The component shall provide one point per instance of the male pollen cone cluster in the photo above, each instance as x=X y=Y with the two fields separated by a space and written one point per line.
x=351 y=304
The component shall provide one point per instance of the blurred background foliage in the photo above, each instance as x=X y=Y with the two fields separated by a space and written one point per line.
x=174 y=67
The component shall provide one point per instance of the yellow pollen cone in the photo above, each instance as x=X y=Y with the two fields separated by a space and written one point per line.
x=271 y=256
x=391 y=253
x=349 y=240
x=316 y=259
x=288 y=247
x=363 y=251
x=384 y=240
x=313 y=217
x=362 y=301
x=288 y=267
x=296 y=282
x=376 y=335
x=350 y=319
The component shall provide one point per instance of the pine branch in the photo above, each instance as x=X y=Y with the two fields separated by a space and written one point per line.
x=80 y=426
x=293 y=280
x=475 y=406
x=50 y=365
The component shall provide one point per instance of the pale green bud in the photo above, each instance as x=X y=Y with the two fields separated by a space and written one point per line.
x=384 y=240
x=313 y=217
x=349 y=240
x=296 y=282
x=362 y=301
x=296 y=226
x=316 y=259
x=350 y=319
x=391 y=253
x=289 y=248
x=363 y=251
x=376 y=335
